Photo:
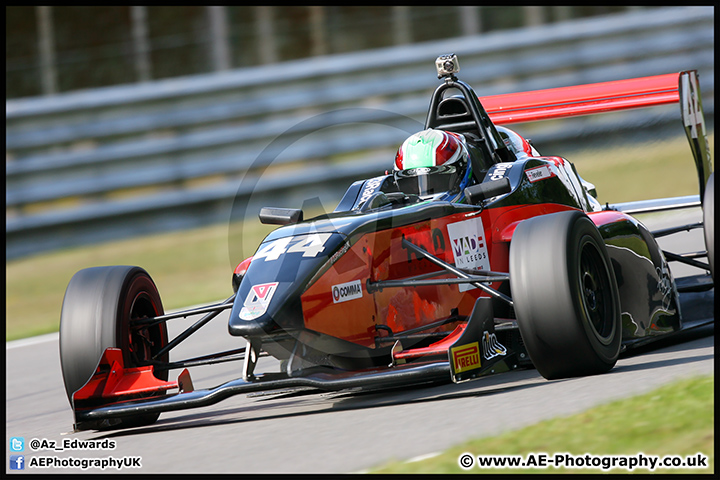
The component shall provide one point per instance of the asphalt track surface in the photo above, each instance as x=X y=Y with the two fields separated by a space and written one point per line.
x=327 y=432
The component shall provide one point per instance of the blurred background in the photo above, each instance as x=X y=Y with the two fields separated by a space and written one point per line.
x=125 y=122
x=52 y=50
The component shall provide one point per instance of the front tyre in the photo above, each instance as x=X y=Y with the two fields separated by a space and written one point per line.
x=565 y=295
x=97 y=310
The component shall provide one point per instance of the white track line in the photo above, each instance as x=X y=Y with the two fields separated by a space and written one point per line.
x=54 y=336
x=24 y=342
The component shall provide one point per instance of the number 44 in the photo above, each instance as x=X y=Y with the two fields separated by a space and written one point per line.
x=309 y=245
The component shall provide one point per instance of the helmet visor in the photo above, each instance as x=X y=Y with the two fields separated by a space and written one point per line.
x=428 y=180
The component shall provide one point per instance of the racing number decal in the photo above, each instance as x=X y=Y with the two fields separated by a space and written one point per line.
x=309 y=245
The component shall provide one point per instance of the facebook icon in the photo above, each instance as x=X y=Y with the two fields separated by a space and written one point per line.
x=17 y=462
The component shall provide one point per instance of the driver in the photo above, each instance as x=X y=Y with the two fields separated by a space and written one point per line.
x=433 y=164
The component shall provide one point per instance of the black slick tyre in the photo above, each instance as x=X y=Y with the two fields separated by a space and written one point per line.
x=565 y=295
x=97 y=309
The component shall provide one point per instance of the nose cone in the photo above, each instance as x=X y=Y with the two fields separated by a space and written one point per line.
x=249 y=315
x=268 y=297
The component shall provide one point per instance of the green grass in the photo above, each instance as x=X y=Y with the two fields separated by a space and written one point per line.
x=189 y=268
x=644 y=171
x=676 y=419
x=194 y=267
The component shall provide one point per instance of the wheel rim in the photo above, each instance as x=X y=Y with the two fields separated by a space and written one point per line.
x=595 y=291
x=140 y=339
x=141 y=342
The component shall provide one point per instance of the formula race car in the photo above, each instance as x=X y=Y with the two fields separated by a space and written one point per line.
x=474 y=255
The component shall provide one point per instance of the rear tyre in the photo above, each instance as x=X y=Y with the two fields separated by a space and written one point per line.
x=565 y=295
x=709 y=222
x=97 y=309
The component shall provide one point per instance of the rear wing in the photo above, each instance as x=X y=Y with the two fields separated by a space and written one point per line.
x=682 y=88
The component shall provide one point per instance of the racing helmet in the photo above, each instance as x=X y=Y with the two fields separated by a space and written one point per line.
x=432 y=162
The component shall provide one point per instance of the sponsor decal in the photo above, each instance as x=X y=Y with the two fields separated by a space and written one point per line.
x=465 y=357
x=500 y=170
x=370 y=187
x=539 y=173
x=347 y=291
x=339 y=253
x=491 y=347
x=467 y=240
x=257 y=300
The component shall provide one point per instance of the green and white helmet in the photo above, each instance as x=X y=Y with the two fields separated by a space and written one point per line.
x=432 y=162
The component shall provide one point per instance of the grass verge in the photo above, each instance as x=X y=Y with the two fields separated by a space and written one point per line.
x=676 y=419
x=188 y=267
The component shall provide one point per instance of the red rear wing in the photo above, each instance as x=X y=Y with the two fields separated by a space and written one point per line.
x=582 y=99
x=682 y=88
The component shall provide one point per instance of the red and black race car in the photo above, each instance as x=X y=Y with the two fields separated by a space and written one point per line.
x=489 y=257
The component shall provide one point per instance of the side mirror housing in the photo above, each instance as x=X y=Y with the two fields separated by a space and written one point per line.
x=482 y=191
x=280 y=216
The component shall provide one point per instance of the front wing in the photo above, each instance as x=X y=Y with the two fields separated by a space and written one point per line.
x=112 y=393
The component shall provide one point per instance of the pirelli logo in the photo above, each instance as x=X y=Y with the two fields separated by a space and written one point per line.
x=465 y=357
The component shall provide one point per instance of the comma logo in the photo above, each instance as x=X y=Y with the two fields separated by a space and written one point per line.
x=347 y=291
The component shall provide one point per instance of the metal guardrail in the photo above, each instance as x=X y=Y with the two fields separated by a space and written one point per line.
x=192 y=144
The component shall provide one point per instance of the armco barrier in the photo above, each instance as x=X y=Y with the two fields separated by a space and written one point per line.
x=172 y=154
